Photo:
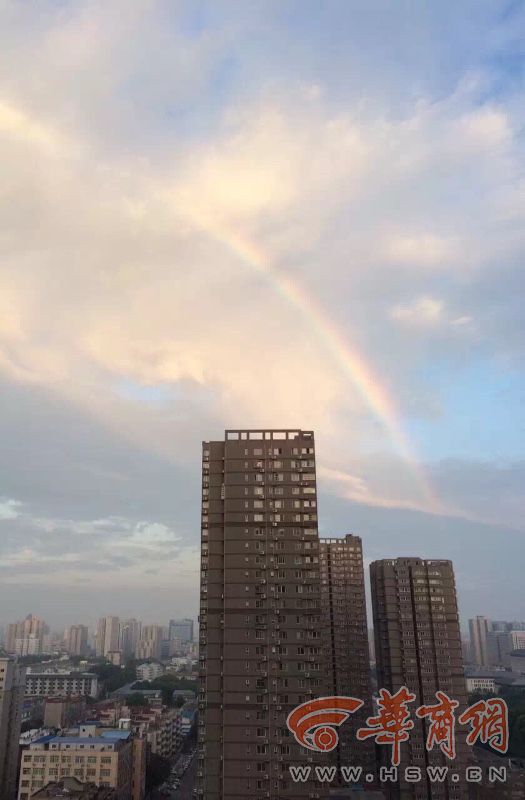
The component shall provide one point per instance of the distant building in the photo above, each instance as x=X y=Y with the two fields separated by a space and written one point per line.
x=73 y=789
x=63 y=712
x=517 y=661
x=12 y=684
x=150 y=671
x=150 y=642
x=501 y=645
x=114 y=657
x=481 y=683
x=479 y=627
x=130 y=630
x=61 y=684
x=26 y=638
x=108 y=635
x=76 y=640
x=105 y=757
x=181 y=629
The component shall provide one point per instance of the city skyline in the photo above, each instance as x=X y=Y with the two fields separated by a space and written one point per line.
x=331 y=192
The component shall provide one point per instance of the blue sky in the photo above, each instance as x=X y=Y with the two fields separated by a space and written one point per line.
x=223 y=214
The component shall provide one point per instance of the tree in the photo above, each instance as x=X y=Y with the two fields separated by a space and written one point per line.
x=135 y=699
x=157 y=771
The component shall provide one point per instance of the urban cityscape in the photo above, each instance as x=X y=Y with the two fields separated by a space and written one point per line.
x=262 y=520
x=129 y=710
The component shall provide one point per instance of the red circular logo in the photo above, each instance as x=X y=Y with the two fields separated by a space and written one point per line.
x=325 y=738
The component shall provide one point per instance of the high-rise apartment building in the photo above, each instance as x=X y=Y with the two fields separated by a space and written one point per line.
x=150 y=643
x=260 y=615
x=479 y=628
x=130 y=630
x=76 y=640
x=346 y=643
x=108 y=635
x=26 y=638
x=12 y=686
x=418 y=645
x=181 y=629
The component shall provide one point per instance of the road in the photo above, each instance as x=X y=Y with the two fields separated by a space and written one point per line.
x=184 y=792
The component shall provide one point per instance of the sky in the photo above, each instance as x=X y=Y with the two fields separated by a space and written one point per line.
x=243 y=214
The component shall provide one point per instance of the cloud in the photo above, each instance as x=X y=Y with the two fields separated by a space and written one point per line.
x=424 y=250
x=425 y=311
x=187 y=222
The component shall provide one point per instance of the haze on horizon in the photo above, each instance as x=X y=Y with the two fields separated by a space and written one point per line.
x=283 y=214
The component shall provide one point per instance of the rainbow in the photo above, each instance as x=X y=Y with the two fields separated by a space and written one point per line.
x=351 y=363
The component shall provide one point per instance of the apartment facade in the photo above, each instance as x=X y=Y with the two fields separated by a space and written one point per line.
x=12 y=685
x=61 y=684
x=260 y=614
x=104 y=757
x=418 y=645
x=346 y=642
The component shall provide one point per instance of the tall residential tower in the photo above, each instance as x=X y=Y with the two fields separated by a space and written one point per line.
x=345 y=627
x=260 y=614
x=418 y=645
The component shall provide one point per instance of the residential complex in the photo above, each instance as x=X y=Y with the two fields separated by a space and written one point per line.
x=260 y=616
x=418 y=645
x=12 y=684
x=26 y=638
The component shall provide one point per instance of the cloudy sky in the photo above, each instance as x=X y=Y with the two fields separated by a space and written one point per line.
x=257 y=213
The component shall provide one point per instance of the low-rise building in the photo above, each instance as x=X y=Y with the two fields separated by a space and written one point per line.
x=189 y=717
x=61 y=684
x=63 y=712
x=150 y=670
x=481 y=683
x=104 y=756
x=159 y=725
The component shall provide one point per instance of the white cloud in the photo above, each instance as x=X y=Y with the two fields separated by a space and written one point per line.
x=423 y=250
x=423 y=312
x=120 y=263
